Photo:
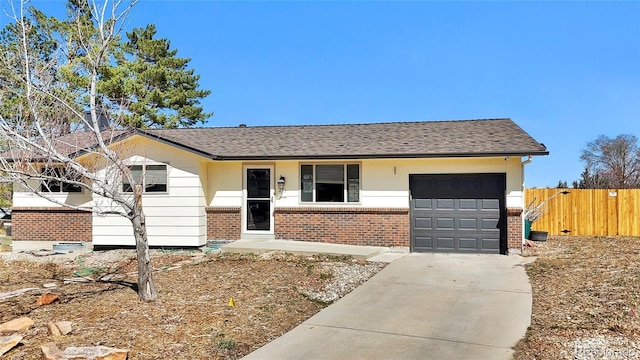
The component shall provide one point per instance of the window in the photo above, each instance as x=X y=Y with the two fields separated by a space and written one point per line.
x=330 y=183
x=153 y=178
x=56 y=186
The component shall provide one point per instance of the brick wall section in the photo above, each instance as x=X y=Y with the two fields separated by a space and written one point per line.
x=223 y=223
x=514 y=229
x=51 y=224
x=352 y=226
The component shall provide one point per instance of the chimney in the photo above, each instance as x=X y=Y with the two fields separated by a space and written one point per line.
x=103 y=120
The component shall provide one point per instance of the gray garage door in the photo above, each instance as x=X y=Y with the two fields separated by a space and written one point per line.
x=458 y=213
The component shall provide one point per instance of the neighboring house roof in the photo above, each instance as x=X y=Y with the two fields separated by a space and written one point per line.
x=68 y=145
x=459 y=138
x=490 y=137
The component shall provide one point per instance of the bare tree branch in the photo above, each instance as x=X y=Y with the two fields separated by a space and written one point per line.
x=612 y=162
x=40 y=156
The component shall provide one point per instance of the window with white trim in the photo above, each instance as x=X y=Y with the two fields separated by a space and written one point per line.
x=330 y=183
x=55 y=185
x=153 y=178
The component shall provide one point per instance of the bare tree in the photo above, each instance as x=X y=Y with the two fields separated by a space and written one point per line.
x=40 y=154
x=612 y=163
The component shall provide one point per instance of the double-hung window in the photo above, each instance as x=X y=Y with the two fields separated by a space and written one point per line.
x=330 y=183
x=153 y=178
x=53 y=183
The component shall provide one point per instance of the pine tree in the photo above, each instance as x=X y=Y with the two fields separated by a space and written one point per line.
x=142 y=79
x=41 y=47
x=154 y=83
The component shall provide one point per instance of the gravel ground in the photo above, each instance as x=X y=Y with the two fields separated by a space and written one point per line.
x=92 y=258
x=345 y=278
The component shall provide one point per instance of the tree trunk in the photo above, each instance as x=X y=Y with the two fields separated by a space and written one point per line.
x=146 y=287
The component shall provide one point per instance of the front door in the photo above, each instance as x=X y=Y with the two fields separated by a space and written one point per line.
x=258 y=207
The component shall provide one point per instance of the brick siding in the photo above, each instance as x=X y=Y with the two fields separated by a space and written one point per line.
x=352 y=226
x=223 y=223
x=51 y=224
x=514 y=230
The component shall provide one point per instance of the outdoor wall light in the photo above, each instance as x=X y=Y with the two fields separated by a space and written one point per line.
x=281 y=182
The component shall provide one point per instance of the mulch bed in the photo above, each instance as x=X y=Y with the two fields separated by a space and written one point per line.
x=191 y=319
x=586 y=299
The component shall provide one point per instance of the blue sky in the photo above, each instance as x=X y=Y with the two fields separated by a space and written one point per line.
x=566 y=72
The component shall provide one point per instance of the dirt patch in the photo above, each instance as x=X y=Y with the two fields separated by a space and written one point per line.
x=192 y=318
x=586 y=299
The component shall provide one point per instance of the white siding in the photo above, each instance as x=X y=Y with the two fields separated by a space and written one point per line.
x=291 y=194
x=176 y=218
x=22 y=198
x=225 y=184
x=385 y=182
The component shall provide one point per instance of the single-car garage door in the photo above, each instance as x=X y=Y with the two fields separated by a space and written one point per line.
x=458 y=213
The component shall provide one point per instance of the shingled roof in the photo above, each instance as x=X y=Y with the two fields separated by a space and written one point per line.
x=71 y=144
x=460 y=138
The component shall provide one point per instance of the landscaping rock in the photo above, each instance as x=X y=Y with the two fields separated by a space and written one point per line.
x=59 y=328
x=95 y=353
x=16 y=325
x=41 y=253
x=64 y=327
x=51 y=352
x=47 y=298
x=53 y=329
x=8 y=342
x=50 y=285
x=15 y=293
x=266 y=255
x=113 y=277
x=183 y=262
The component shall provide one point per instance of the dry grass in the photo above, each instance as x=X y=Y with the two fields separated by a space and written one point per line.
x=5 y=241
x=191 y=318
x=586 y=298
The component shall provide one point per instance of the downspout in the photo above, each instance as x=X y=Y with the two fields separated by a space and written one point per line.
x=522 y=164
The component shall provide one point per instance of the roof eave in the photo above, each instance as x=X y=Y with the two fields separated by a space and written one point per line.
x=379 y=156
x=176 y=144
x=145 y=134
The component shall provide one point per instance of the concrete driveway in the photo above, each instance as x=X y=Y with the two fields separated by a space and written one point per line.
x=422 y=306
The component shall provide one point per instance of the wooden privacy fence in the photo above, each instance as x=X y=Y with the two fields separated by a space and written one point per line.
x=588 y=211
